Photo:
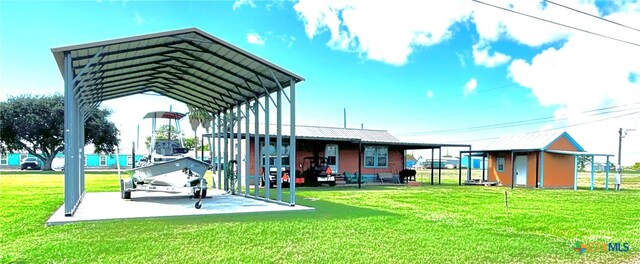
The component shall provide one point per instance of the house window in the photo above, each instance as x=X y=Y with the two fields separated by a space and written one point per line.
x=3 y=159
x=130 y=160
x=23 y=156
x=376 y=157
x=500 y=164
x=273 y=153
x=103 y=160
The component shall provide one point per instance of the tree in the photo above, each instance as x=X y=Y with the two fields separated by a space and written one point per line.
x=198 y=116
x=636 y=166
x=583 y=161
x=163 y=133
x=35 y=124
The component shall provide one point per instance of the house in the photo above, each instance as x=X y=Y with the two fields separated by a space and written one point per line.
x=410 y=161
x=476 y=162
x=92 y=161
x=544 y=159
x=367 y=151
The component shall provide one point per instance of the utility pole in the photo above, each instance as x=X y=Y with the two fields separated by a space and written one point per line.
x=620 y=148
x=620 y=137
x=345 y=117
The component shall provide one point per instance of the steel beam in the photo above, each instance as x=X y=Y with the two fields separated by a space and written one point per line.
x=292 y=146
x=256 y=148
x=279 y=146
x=267 y=148
x=239 y=145
x=220 y=161
x=606 y=175
x=247 y=148
x=71 y=174
x=593 y=162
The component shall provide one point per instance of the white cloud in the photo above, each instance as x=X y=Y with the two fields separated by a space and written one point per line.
x=470 y=86
x=586 y=73
x=239 y=3
x=138 y=19
x=254 y=38
x=429 y=94
x=381 y=30
x=481 y=56
x=390 y=31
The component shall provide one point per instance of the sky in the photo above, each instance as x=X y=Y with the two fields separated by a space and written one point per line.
x=426 y=71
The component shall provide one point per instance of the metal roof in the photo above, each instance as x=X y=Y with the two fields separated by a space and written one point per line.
x=164 y=114
x=332 y=133
x=188 y=65
x=578 y=153
x=365 y=136
x=529 y=141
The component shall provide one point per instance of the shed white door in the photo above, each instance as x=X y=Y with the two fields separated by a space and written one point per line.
x=331 y=153
x=521 y=170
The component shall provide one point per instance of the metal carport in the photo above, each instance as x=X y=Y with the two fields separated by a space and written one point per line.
x=188 y=65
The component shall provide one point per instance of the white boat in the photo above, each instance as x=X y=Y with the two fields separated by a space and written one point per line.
x=166 y=168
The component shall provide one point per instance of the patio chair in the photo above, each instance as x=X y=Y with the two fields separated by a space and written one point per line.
x=352 y=178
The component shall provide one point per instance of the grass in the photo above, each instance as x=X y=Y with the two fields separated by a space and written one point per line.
x=378 y=224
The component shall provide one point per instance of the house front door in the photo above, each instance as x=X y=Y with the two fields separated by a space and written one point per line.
x=331 y=153
x=521 y=170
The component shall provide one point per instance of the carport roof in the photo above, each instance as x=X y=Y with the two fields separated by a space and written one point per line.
x=188 y=65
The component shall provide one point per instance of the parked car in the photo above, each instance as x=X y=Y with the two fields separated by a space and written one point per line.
x=30 y=163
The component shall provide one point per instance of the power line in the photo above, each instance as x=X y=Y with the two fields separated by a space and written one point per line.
x=562 y=127
x=521 y=122
x=598 y=17
x=557 y=23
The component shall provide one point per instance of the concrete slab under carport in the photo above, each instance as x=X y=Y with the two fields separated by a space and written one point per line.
x=100 y=206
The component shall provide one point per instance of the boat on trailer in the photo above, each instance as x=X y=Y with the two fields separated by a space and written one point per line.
x=167 y=168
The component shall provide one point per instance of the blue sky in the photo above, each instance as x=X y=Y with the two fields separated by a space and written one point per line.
x=410 y=67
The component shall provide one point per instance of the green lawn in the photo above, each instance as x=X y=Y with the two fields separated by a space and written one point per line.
x=427 y=224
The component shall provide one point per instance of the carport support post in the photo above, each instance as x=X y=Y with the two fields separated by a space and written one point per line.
x=359 y=164
x=440 y=165
x=219 y=161
x=606 y=175
x=541 y=169
x=432 y=166
x=239 y=155
x=247 y=139
x=460 y=168
x=267 y=149
x=71 y=176
x=483 y=167
x=292 y=144
x=225 y=135
x=575 y=168
x=513 y=169
x=256 y=148
x=231 y=145
x=593 y=159
x=468 y=165
x=279 y=145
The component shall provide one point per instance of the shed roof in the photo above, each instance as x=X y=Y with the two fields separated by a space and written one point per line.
x=188 y=65
x=529 y=141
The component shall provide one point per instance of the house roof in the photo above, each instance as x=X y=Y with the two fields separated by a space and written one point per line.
x=188 y=65
x=364 y=136
x=529 y=141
